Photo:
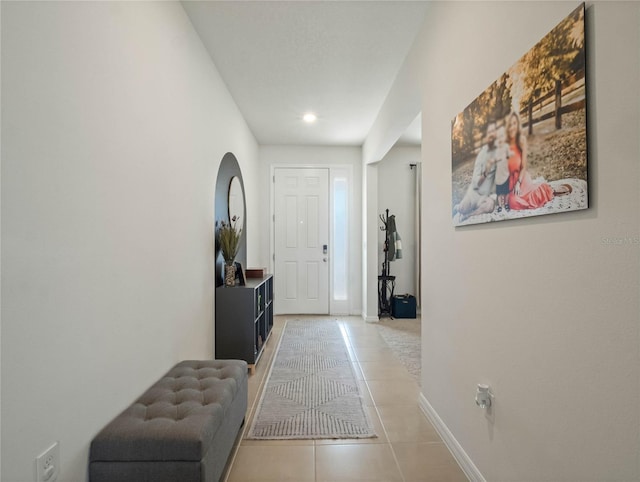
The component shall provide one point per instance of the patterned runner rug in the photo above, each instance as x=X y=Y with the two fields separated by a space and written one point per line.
x=311 y=391
x=403 y=337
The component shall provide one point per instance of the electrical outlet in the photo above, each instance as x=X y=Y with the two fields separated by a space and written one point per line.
x=48 y=464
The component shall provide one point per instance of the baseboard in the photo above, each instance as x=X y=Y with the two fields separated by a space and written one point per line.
x=464 y=461
x=370 y=319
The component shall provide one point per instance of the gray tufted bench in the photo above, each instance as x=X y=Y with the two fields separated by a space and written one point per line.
x=182 y=429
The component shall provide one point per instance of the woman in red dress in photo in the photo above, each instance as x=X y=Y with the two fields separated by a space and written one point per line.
x=523 y=192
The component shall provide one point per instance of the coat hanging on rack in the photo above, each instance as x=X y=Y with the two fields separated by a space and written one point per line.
x=395 y=243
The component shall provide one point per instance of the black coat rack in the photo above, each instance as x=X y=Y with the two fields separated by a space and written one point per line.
x=386 y=282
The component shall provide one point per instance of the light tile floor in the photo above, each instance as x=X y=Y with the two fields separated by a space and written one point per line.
x=407 y=449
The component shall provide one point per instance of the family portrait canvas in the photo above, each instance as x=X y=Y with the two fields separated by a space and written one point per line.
x=520 y=148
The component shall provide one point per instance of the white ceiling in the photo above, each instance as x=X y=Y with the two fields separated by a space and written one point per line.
x=281 y=59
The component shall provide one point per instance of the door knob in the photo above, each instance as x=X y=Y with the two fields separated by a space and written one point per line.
x=324 y=259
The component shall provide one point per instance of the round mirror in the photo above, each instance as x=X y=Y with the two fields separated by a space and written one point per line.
x=236 y=202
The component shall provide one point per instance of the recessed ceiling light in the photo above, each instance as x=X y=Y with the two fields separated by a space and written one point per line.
x=309 y=117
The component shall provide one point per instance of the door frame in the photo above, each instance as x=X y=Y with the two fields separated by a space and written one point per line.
x=336 y=307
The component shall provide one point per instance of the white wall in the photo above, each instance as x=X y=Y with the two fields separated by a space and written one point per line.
x=397 y=193
x=559 y=341
x=397 y=113
x=399 y=110
x=320 y=156
x=0 y=271
x=370 y=243
x=114 y=122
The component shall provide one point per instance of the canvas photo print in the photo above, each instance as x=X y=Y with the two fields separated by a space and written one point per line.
x=520 y=148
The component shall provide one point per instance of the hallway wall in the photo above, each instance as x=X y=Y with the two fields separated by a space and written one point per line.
x=397 y=192
x=114 y=123
x=544 y=310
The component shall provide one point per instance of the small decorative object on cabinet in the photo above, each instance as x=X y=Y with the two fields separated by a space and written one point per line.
x=229 y=274
x=228 y=238
x=256 y=272
x=244 y=318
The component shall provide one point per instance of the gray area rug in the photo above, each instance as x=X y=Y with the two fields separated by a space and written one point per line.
x=403 y=337
x=311 y=391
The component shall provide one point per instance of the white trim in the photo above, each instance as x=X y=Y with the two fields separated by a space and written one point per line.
x=340 y=307
x=370 y=319
x=464 y=461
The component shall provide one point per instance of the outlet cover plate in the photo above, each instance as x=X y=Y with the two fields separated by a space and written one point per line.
x=48 y=464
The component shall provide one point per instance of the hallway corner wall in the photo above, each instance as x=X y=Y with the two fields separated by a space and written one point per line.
x=544 y=310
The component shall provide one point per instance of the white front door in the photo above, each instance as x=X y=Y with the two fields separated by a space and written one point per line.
x=301 y=274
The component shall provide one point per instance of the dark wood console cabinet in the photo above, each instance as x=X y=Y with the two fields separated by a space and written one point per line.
x=244 y=318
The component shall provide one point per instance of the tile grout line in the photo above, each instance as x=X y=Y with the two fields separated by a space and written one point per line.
x=252 y=409
x=375 y=406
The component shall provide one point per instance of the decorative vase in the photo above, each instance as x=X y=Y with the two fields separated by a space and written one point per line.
x=229 y=274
